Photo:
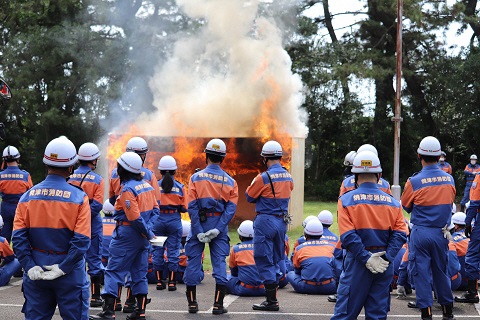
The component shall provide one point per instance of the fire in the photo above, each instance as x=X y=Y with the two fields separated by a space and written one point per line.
x=243 y=159
x=117 y=144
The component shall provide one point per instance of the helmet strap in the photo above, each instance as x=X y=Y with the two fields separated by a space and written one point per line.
x=94 y=164
x=143 y=156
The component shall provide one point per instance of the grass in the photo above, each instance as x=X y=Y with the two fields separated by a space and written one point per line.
x=310 y=208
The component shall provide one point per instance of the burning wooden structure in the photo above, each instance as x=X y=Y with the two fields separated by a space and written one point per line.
x=243 y=163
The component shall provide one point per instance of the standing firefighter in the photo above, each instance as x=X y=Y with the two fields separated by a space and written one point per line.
x=270 y=191
x=51 y=236
x=212 y=201
x=93 y=185
x=372 y=229
x=140 y=147
x=444 y=165
x=129 y=246
x=13 y=183
x=428 y=195
x=471 y=169
x=472 y=257
x=173 y=202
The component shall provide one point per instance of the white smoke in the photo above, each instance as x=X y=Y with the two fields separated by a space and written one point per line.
x=216 y=80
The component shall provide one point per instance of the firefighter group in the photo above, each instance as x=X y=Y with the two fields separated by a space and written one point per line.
x=77 y=248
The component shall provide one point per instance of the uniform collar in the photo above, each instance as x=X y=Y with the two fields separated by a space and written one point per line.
x=55 y=177
x=431 y=167
x=368 y=185
x=274 y=166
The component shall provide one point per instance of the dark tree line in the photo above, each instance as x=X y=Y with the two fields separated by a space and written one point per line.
x=75 y=65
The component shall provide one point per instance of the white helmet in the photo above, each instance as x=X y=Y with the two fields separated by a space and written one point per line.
x=459 y=218
x=304 y=223
x=367 y=147
x=60 y=152
x=473 y=157
x=271 y=149
x=186 y=226
x=366 y=162
x=349 y=158
x=131 y=162
x=246 y=229
x=1 y=222
x=88 y=152
x=314 y=228
x=108 y=208
x=429 y=146
x=167 y=163
x=11 y=153
x=325 y=217
x=216 y=147
x=137 y=145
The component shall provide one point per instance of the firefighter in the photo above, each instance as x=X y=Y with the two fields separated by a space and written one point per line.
x=326 y=218
x=302 y=239
x=461 y=244
x=9 y=264
x=428 y=196
x=173 y=202
x=349 y=182
x=182 y=263
x=472 y=257
x=313 y=272
x=129 y=246
x=51 y=236
x=245 y=280
x=270 y=191
x=93 y=185
x=212 y=201
x=471 y=169
x=139 y=146
x=372 y=230
x=348 y=164
x=109 y=225
x=13 y=183
x=444 y=165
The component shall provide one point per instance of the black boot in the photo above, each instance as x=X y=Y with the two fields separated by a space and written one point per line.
x=172 y=284
x=271 y=304
x=118 y=301
x=130 y=302
x=426 y=313
x=108 y=311
x=448 y=312
x=139 y=313
x=219 y=295
x=95 y=300
x=160 y=282
x=192 y=299
x=471 y=296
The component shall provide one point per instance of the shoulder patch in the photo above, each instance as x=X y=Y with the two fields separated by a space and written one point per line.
x=127 y=204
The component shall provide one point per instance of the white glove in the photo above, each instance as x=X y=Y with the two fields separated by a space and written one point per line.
x=35 y=273
x=203 y=238
x=212 y=233
x=446 y=234
x=401 y=292
x=53 y=272
x=376 y=264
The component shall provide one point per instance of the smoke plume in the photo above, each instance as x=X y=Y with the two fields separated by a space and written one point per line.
x=232 y=78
